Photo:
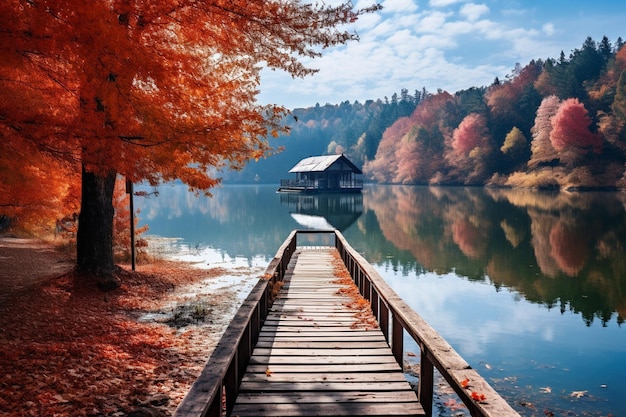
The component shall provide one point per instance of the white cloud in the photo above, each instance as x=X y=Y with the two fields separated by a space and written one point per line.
x=443 y=3
x=432 y=22
x=447 y=44
x=473 y=11
x=548 y=29
x=395 y=6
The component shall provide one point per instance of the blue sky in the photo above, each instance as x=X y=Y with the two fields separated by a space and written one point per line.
x=446 y=44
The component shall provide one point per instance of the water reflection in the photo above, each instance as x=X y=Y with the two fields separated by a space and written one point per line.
x=324 y=211
x=562 y=250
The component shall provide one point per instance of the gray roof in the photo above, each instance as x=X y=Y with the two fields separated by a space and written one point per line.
x=322 y=163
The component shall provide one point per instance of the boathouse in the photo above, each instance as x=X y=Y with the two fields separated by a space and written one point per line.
x=324 y=174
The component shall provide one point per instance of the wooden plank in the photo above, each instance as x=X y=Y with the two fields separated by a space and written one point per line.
x=323 y=386
x=315 y=397
x=317 y=367
x=315 y=344
x=312 y=360
x=321 y=352
x=388 y=409
x=275 y=377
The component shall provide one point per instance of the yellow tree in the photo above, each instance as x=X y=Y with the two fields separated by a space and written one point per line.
x=153 y=90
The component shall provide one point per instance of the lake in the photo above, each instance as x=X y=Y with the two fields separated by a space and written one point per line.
x=529 y=287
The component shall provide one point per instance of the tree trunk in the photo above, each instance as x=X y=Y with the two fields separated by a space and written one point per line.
x=94 y=239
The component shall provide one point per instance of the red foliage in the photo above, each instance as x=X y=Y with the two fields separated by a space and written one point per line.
x=472 y=133
x=570 y=127
x=399 y=158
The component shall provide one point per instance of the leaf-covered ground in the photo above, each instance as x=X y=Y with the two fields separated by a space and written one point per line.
x=68 y=349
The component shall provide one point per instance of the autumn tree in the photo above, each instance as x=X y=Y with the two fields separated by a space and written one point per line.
x=543 y=153
x=384 y=166
x=154 y=91
x=515 y=146
x=470 y=149
x=570 y=134
x=514 y=102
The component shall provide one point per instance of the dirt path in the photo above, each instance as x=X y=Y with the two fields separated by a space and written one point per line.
x=26 y=262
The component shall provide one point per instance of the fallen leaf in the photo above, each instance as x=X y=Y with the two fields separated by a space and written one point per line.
x=268 y=373
x=476 y=396
x=465 y=383
x=545 y=390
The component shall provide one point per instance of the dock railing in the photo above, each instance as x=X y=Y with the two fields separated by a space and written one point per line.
x=214 y=392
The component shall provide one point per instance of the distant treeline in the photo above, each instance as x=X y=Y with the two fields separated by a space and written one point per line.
x=554 y=123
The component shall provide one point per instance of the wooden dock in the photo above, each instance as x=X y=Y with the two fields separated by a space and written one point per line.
x=320 y=351
x=322 y=334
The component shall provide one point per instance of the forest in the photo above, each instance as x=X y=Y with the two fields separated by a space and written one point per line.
x=550 y=124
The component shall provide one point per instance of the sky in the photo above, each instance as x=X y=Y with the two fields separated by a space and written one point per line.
x=450 y=45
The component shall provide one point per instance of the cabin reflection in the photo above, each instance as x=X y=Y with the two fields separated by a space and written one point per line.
x=324 y=211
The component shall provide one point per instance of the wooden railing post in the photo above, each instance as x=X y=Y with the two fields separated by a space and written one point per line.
x=383 y=320
x=397 y=342
x=426 y=384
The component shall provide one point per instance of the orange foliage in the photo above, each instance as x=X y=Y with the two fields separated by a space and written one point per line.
x=364 y=316
x=153 y=90
x=121 y=221
x=35 y=189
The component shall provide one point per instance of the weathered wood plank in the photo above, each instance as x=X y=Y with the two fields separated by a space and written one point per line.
x=312 y=360
x=315 y=344
x=321 y=367
x=321 y=352
x=315 y=397
x=388 y=409
x=275 y=377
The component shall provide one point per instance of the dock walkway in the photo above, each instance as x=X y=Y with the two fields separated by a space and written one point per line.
x=320 y=350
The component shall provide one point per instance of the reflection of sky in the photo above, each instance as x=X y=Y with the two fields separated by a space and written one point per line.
x=478 y=318
x=502 y=335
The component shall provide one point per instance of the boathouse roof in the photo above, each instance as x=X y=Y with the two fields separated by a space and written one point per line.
x=325 y=163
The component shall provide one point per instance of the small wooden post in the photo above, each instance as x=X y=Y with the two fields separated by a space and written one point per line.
x=426 y=383
x=129 y=191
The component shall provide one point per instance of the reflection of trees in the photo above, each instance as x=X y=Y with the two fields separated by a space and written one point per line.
x=569 y=247
x=560 y=249
x=411 y=225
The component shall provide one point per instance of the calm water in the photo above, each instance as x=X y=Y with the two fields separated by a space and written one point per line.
x=529 y=287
